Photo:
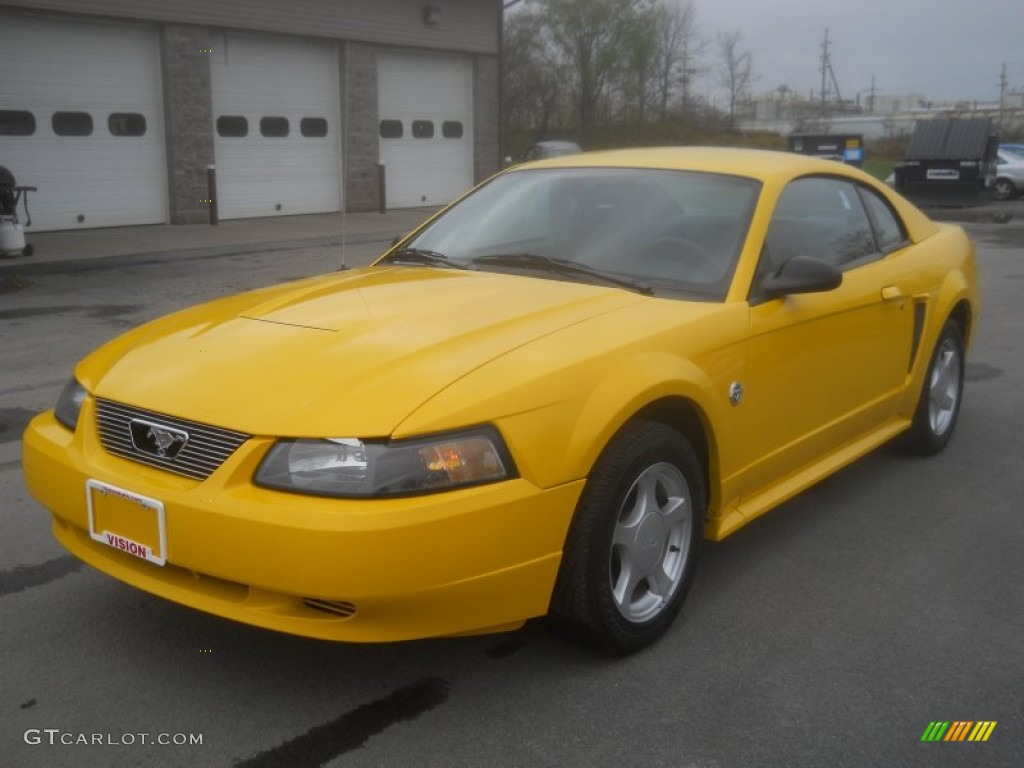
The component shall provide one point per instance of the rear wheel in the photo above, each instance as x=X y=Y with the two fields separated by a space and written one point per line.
x=939 y=405
x=632 y=548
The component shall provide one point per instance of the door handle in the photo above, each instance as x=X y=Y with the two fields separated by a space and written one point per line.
x=891 y=293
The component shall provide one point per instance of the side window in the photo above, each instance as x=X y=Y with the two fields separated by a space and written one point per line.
x=888 y=228
x=819 y=217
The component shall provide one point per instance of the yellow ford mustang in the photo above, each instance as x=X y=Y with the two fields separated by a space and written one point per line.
x=537 y=403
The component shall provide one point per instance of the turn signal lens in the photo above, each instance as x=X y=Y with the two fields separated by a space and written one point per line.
x=69 y=404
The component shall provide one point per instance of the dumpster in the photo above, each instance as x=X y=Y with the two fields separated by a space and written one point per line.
x=949 y=161
x=845 y=147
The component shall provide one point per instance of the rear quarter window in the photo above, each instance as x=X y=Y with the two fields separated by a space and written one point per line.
x=889 y=229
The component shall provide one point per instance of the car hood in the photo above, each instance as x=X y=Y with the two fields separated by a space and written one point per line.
x=350 y=354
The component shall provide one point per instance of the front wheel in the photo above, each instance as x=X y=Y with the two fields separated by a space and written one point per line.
x=939 y=404
x=1003 y=189
x=632 y=547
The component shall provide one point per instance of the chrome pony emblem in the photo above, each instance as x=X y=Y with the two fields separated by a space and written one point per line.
x=157 y=440
x=736 y=393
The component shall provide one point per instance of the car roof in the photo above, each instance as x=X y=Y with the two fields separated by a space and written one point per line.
x=764 y=165
x=774 y=169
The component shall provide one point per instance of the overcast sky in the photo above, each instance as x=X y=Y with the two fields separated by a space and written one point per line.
x=945 y=50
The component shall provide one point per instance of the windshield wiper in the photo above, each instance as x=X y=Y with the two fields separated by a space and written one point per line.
x=562 y=267
x=422 y=256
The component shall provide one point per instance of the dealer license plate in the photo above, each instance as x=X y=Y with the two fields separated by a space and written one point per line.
x=127 y=521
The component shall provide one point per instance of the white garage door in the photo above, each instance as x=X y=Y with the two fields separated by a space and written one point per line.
x=276 y=126
x=81 y=119
x=426 y=127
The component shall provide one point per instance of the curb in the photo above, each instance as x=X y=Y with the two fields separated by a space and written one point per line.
x=25 y=266
x=990 y=213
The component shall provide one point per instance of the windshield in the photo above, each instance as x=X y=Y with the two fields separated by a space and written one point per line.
x=679 y=232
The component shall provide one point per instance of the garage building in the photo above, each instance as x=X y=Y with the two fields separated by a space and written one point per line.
x=115 y=109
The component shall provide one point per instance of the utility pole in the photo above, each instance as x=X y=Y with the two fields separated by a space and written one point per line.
x=871 y=97
x=1003 y=84
x=828 y=75
x=824 y=75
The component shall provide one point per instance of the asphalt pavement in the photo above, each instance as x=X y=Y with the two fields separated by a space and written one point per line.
x=834 y=631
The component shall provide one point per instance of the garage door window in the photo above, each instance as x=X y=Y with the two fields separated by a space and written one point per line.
x=313 y=127
x=391 y=129
x=422 y=129
x=72 y=123
x=451 y=129
x=126 y=124
x=17 y=122
x=274 y=127
x=232 y=126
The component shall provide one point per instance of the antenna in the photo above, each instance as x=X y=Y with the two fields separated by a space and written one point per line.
x=1003 y=83
x=824 y=73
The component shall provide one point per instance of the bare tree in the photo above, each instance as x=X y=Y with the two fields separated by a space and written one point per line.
x=736 y=69
x=679 y=49
x=532 y=88
x=588 y=35
x=613 y=65
x=640 y=59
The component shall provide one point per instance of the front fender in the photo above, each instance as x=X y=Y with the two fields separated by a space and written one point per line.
x=626 y=389
x=559 y=400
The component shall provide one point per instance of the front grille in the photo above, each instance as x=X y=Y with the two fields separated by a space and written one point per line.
x=207 y=447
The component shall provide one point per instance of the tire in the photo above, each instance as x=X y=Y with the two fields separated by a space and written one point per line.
x=938 y=407
x=1003 y=189
x=632 y=547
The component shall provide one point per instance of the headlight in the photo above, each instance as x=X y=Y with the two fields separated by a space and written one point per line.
x=351 y=467
x=69 y=404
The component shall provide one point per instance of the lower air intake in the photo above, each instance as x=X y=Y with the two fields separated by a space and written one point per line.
x=336 y=607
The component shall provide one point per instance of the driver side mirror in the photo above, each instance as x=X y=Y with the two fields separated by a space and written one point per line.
x=801 y=274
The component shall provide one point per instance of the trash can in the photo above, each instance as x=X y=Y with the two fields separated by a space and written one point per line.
x=844 y=147
x=12 y=236
x=949 y=162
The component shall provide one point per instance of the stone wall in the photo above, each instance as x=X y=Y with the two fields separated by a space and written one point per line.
x=486 y=131
x=360 y=154
x=188 y=120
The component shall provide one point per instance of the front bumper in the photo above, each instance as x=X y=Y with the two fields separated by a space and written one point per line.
x=473 y=560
